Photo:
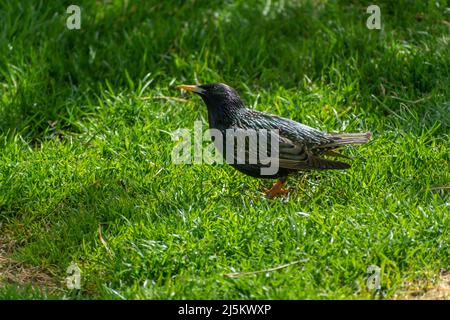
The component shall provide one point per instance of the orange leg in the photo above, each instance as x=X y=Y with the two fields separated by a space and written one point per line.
x=276 y=189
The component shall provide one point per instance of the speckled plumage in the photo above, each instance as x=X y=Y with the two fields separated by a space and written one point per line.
x=300 y=146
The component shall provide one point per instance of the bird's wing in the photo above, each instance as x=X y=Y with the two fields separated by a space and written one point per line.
x=295 y=131
x=293 y=155
x=299 y=145
x=297 y=142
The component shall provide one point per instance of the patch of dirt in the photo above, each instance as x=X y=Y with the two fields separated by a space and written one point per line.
x=419 y=290
x=13 y=272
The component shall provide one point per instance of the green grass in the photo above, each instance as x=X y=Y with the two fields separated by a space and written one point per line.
x=84 y=145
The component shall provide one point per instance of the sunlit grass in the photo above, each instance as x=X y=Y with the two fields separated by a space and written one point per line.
x=85 y=155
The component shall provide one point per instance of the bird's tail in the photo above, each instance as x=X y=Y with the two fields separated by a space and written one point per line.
x=344 y=139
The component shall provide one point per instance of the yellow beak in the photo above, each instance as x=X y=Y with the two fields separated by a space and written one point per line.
x=192 y=88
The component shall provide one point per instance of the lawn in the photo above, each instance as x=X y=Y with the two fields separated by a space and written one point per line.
x=86 y=174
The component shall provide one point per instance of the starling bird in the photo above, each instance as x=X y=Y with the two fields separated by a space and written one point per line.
x=300 y=148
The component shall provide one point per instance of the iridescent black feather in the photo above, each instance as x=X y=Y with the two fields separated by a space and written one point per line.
x=300 y=146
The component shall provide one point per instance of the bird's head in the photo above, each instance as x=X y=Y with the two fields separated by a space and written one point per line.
x=220 y=99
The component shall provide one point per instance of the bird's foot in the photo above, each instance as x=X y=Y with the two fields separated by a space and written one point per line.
x=276 y=189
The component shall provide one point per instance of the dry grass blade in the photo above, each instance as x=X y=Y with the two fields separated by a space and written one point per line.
x=100 y=236
x=437 y=188
x=20 y=274
x=166 y=98
x=440 y=188
x=418 y=290
x=240 y=274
